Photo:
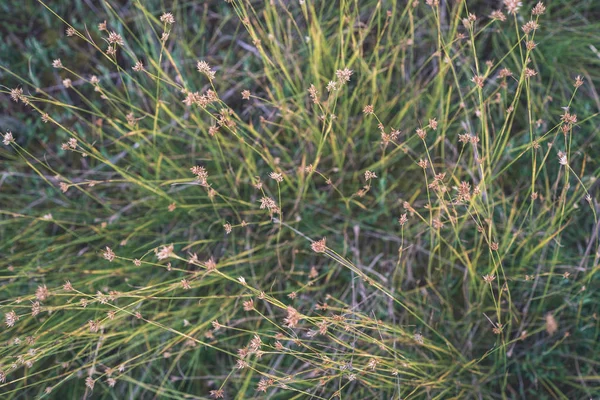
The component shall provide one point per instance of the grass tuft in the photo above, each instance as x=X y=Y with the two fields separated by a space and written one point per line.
x=238 y=199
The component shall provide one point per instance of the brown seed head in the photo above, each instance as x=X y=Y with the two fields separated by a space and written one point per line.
x=319 y=246
x=167 y=18
x=539 y=9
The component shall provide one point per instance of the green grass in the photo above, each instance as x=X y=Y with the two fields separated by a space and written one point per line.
x=386 y=309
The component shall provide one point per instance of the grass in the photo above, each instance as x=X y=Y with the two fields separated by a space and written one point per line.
x=418 y=224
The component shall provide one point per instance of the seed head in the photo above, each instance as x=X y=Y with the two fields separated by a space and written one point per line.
x=204 y=68
x=8 y=138
x=370 y=175
x=210 y=265
x=212 y=131
x=293 y=317
x=201 y=174
x=464 y=191
x=167 y=18
x=268 y=203
x=512 y=6
x=562 y=158
x=42 y=293
x=217 y=394
x=568 y=118
x=264 y=384
x=497 y=14
x=115 y=38
x=468 y=22
x=372 y=364
x=11 y=317
x=530 y=26
x=138 y=67
x=276 y=177
x=433 y=124
x=89 y=382
x=344 y=75
x=35 y=308
x=478 y=80
x=193 y=258
x=403 y=219
x=539 y=9
x=504 y=73
x=130 y=119
x=529 y=73
x=108 y=254
x=248 y=305
x=165 y=252
x=191 y=98
x=419 y=338
x=94 y=326
x=497 y=329
x=319 y=246
x=15 y=94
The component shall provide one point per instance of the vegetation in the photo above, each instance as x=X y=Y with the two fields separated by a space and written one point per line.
x=304 y=199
